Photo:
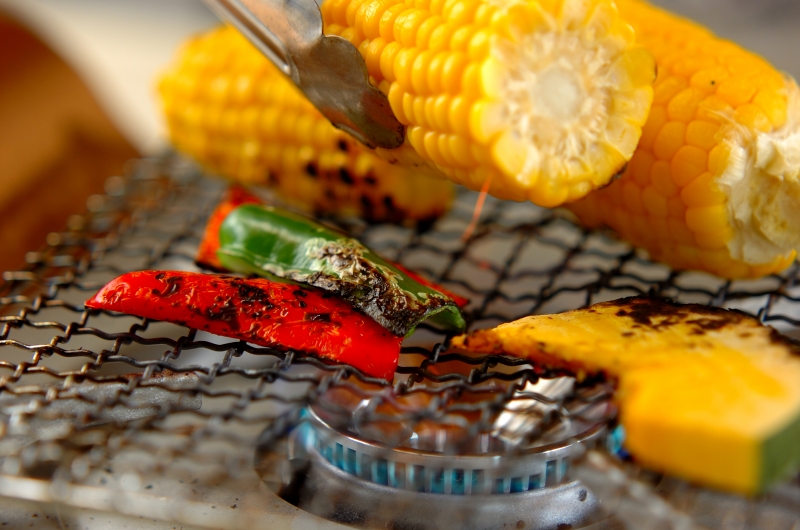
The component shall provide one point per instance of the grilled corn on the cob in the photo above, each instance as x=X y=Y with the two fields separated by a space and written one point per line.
x=234 y=112
x=544 y=97
x=715 y=182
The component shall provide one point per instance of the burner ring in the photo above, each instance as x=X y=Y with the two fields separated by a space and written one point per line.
x=359 y=480
x=421 y=471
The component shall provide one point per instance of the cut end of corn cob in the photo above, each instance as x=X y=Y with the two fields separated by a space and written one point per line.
x=546 y=97
x=230 y=109
x=761 y=181
x=571 y=99
x=714 y=184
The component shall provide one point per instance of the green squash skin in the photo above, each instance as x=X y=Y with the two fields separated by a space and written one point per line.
x=780 y=455
x=263 y=240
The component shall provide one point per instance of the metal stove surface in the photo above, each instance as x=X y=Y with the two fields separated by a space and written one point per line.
x=105 y=414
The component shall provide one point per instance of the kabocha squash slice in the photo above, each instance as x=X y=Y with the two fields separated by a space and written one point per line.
x=707 y=394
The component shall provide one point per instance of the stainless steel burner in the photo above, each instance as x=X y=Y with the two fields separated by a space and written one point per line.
x=409 y=474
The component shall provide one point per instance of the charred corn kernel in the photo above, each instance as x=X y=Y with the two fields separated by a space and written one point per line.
x=252 y=125
x=550 y=95
x=723 y=135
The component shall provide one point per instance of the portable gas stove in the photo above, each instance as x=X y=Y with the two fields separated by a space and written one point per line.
x=112 y=413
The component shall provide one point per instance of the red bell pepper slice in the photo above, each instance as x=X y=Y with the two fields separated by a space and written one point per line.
x=237 y=196
x=259 y=311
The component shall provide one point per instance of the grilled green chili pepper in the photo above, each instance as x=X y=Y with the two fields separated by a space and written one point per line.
x=264 y=240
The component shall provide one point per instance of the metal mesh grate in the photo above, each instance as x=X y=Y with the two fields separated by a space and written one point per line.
x=149 y=418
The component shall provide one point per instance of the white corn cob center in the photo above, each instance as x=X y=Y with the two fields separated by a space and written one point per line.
x=762 y=185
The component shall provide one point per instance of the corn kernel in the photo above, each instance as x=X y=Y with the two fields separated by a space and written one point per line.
x=713 y=240
x=679 y=231
x=452 y=71
x=369 y=17
x=702 y=191
x=350 y=14
x=408 y=107
x=386 y=23
x=659 y=227
x=634 y=69
x=460 y=149
x=655 y=122
x=688 y=163
x=509 y=153
x=418 y=111
x=431 y=147
x=702 y=134
x=440 y=113
x=661 y=177
x=688 y=66
x=426 y=30
x=440 y=37
x=372 y=54
x=458 y=114
x=459 y=11
x=486 y=119
x=736 y=90
x=718 y=158
x=669 y=140
x=640 y=167
x=684 y=105
x=406 y=26
x=402 y=67
x=461 y=38
x=387 y=60
x=420 y=73
x=773 y=105
x=667 y=88
x=706 y=80
x=654 y=202
x=632 y=197
x=351 y=34
x=753 y=117
x=479 y=45
x=719 y=262
x=707 y=219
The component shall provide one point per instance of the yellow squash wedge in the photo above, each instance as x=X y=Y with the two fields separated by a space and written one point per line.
x=707 y=394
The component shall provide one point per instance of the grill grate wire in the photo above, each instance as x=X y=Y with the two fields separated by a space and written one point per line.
x=96 y=408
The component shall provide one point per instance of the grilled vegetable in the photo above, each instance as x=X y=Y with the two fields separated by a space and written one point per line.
x=715 y=182
x=236 y=114
x=267 y=241
x=704 y=393
x=235 y=197
x=544 y=97
x=275 y=315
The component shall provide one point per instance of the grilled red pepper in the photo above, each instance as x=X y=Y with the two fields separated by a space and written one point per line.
x=259 y=311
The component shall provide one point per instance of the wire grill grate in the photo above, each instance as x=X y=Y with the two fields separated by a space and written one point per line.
x=110 y=403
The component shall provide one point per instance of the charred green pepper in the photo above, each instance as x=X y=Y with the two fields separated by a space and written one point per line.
x=268 y=241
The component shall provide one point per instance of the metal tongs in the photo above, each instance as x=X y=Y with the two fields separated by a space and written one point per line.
x=326 y=68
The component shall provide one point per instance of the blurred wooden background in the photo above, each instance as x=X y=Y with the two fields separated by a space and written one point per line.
x=56 y=144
